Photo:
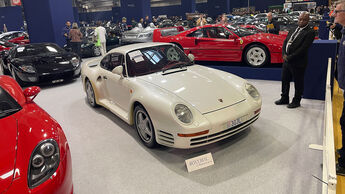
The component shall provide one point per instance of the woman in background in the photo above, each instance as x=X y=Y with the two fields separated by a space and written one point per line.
x=75 y=36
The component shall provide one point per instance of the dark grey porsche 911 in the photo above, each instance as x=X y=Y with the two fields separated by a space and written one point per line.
x=42 y=63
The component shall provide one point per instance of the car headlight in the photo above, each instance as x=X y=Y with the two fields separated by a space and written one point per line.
x=183 y=113
x=75 y=62
x=44 y=161
x=252 y=91
x=28 y=68
x=144 y=35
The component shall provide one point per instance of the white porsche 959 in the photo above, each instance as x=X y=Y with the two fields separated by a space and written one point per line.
x=170 y=100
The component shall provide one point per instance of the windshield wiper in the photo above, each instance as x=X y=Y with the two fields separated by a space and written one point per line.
x=179 y=64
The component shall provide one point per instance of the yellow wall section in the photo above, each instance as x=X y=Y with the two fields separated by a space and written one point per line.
x=337 y=109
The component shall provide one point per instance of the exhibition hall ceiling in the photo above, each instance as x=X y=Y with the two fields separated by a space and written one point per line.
x=103 y=5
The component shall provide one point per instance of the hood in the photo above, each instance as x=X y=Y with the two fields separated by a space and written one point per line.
x=201 y=87
x=48 y=63
x=8 y=144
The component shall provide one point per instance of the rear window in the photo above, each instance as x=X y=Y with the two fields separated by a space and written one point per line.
x=8 y=105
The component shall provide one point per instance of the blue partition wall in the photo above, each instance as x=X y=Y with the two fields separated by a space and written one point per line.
x=46 y=21
x=12 y=17
x=175 y=10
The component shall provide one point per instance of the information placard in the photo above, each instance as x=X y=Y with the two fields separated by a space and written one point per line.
x=199 y=162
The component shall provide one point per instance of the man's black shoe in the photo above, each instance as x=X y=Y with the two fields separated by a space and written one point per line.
x=340 y=170
x=282 y=101
x=294 y=105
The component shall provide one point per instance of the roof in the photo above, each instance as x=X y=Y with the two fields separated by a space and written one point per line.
x=127 y=48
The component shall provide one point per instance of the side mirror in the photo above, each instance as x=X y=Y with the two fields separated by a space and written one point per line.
x=191 y=57
x=31 y=92
x=232 y=37
x=118 y=70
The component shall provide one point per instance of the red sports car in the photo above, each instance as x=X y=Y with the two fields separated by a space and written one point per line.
x=34 y=153
x=221 y=42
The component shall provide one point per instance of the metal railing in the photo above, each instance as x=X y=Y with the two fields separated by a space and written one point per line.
x=329 y=176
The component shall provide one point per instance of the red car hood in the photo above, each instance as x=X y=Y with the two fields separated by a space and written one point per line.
x=8 y=146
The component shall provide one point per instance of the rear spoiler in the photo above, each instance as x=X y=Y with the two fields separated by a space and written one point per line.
x=170 y=31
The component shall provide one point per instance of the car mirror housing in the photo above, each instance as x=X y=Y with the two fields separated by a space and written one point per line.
x=31 y=92
x=118 y=70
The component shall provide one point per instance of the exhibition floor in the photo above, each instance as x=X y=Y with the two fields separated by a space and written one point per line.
x=272 y=156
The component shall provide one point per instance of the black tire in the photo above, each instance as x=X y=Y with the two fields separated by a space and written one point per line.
x=15 y=77
x=90 y=94
x=256 y=55
x=96 y=51
x=146 y=135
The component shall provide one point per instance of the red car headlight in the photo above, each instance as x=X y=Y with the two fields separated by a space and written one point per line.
x=44 y=161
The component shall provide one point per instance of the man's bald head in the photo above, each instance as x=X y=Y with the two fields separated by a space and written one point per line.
x=303 y=19
x=269 y=16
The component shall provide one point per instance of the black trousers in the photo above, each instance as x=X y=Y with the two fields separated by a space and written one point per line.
x=296 y=74
x=76 y=48
x=341 y=160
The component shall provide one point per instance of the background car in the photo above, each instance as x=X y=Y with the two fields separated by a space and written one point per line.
x=137 y=35
x=168 y=99
x=34 y=152
x=227 y=43
x=43 y=63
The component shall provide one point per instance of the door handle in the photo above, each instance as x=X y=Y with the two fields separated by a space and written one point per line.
x=105 y=77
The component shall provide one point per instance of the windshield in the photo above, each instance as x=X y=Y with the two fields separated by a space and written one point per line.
x=240 y=31
x=8 y=105
x=155 y=59
x=29 y=50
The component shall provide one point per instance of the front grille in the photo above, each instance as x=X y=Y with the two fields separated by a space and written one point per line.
x=56 y=76
x=165 y=137
x=222 y=134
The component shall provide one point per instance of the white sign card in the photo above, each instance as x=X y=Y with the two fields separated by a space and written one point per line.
x=199 y=162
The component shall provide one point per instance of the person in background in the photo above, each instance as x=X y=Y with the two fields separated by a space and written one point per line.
x=295 y=55
x=75 y=36
x=5 y=28
x=141 y=21
x=223 y=19
x=146 y=22
x=100 y=33
x=133 y=23
x=154 y=21
x=201 y=21
x=65 y=32
x=123 y=24
x=272 y=26
x=339 y=14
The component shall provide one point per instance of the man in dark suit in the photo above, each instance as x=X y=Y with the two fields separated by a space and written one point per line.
x=295 y=55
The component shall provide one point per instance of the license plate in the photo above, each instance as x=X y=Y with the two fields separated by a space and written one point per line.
x=57 y=81
x=237 y=121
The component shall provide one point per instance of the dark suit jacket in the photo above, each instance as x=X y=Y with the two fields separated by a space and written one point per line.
x=276 y=28
x=298 y=51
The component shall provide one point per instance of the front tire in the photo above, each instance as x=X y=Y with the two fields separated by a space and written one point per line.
x=96 y=51
x=256 y=56
x=144 y=127
x=90 y=94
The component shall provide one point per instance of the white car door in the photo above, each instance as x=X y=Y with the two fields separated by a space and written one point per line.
x=116 y=86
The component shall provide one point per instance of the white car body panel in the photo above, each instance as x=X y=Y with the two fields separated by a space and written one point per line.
x=199 y=88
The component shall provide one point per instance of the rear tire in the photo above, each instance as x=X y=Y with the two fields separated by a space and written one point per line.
x=256 y=55
x=144 y=127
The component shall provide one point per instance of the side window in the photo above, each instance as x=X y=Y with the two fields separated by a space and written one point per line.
x=217 y=32
x=111 y=61
x=8 y=105
x=198 y=34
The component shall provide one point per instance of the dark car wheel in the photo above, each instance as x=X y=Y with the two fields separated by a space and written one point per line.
x=96 y=51
x=144 y=127
x=256 y=56
x=90 y=94
x=15 y=77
